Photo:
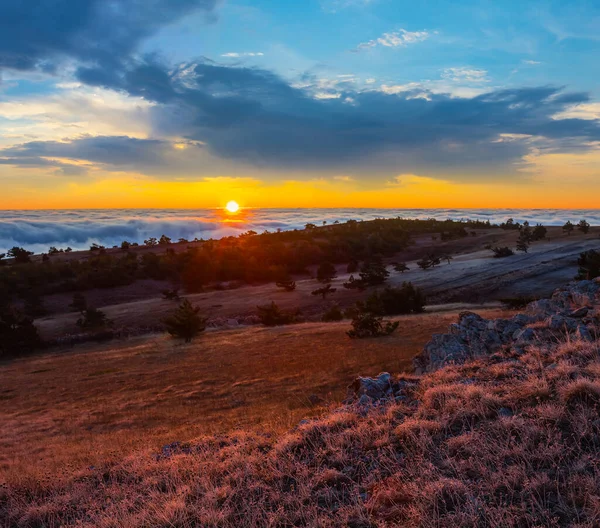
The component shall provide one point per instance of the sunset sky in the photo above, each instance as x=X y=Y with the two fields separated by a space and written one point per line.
x=272 y=103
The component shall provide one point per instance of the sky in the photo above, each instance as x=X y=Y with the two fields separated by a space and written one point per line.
x=320 y=103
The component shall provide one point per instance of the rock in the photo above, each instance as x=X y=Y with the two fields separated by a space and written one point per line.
x=441 y=350
x=504 y=412
x=375 y=388
x=583 y=333
x=559 y=322
x=524 y=336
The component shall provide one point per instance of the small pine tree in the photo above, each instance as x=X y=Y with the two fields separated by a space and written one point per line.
x=271 y=315
x=333 y=314
x=18 y=334
x=287 y=285
x=523 y=243
x=425 y=263
x=568 y=227
x=164 y=240
x=583 y=226
x=373 y=272
x=365 y=324
x=501 y=252
x=324 y=291
x=539 y=232
x=92 y=318
x=186 y=322
x=400 y=267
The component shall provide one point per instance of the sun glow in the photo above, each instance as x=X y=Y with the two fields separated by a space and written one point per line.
x=232 y=207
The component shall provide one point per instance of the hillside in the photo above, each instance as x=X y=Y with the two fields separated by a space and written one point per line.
x=510 y=437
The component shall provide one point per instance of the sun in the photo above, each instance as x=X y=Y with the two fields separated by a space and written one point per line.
x=232 y=207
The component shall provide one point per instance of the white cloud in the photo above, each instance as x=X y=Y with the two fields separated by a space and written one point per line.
x=590 y=111
x=344 y=178
x=465 y=74
x=531 y=62
x=237 y=55
x=395 y=39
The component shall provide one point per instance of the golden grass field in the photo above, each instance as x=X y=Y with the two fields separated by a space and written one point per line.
x=71 y=409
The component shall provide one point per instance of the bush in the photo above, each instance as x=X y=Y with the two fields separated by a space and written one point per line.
x=333 y=314
x=583 y=226
x=373 y=272
x=171 y=295
x=21 y=256
x=589 y=265
x=326 y=272
x=324 y=291
x=18 y=335
x=271 y=315
x=92 y=319
x=186 y=322
x=501 y=252
x=403 y=300
x=366 y=324
x=516 y=303
x=354 y=284
x=400 y=267
x=288 y=285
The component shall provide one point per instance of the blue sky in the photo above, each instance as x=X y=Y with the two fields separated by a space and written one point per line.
x=339 y=98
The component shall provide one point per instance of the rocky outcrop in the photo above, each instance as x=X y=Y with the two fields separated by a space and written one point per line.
x=366 y=391
x=573 y=310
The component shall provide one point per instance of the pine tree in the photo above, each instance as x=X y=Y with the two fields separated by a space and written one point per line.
x=583 y=226
x=568 y=227
x=186 y=322
x=326 y=272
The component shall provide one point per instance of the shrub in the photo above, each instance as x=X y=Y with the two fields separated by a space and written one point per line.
x=403 y=300
x=18 y=334
x=271 y=315
x=366 y=324
x=373 y=272
x=568 y=227
x=164 y=240
x=539 y=232
x=21 y=256
x=324 y=291
x=333 y=314
x=171 y=295
x=400 y=267
x=125 y=245
x=354 y=284
x=501 y=252
x=92 y=318
x=186 y=322
x=516 y=303
x=589 y=265
x=326 y=272
x=288 y=285
x=583 y=226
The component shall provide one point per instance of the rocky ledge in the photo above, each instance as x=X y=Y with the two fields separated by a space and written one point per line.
x=572 y=310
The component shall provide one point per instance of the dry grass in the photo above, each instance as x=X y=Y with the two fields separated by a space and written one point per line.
x=66 y=411
x=505 y=441
x=446 y=456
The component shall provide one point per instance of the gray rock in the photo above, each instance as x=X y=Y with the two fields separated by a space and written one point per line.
x=580 y=312
x=559 y=322
x=583 y=333
x=505 y=412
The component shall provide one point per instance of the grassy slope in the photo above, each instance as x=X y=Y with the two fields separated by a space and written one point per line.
x=504 y=441
x=81 y=407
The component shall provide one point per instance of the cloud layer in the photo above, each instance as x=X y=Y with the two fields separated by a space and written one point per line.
x=38 y=230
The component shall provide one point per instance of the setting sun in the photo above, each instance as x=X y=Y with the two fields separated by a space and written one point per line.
x=232 y=207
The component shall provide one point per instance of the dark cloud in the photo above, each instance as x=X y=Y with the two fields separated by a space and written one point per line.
x=255 y=117
x=38 y=33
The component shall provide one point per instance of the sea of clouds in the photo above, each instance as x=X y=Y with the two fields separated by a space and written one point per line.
x=78 y=229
